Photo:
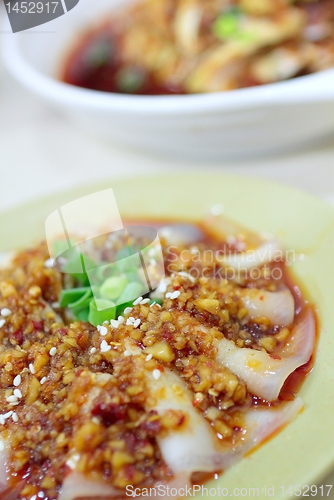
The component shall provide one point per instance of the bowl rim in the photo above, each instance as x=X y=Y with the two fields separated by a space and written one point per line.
x=315 y=87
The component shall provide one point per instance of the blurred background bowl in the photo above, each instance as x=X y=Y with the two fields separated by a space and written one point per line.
x=251 y=121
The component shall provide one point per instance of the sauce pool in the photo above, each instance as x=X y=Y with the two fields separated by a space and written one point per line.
x=95 y=63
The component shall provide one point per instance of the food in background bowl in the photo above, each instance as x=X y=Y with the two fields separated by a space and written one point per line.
x=188 y=46
x=178 y=384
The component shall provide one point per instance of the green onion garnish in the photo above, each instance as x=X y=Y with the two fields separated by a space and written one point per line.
x=108 y=312
x=227 y=24
x=113 y=287
x=83 y=315
x=72 y=295
x=130 y=292
x=82 y=302
x=130 y=79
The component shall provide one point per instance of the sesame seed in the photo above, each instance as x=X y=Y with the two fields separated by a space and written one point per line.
x=43 y=380
x=32 y=369
x=136 y=323
x=186 y=275
x=49 y=263
x=15 y=417
x=144 y=301
x=114 y=323
x=55 y=305
x=2 y=322
x=168 y=295
x=93 y=350
x=175 y=294
x=137 y=301
x=18 y=393
x=5 y=311
x=120 y=319
x=127 y=353
x=34 y=497
x=8 y=414
x=2 y=420
x=127 y=310
x=106 y=322
x=98 y=327
x=17 y=380
x=103 y=330
x=14 y=403
x=148 y=357
x=156 y=374
x=2 y=445
x=11 y=399
x=41 y=494
x=152 y=304
x=53 y=351
x=104 y=346
x=158 y=305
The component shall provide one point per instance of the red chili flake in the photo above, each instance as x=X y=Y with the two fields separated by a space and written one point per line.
x=177 y=287
x=62 y=331
x=129 y=471
x=79 y=372
x=109 y=413
x=132 y=442
x=181 y=420
x=166 y=334
x=236 y=428
x=38 y=325
x=18 y=336
x=152 y=427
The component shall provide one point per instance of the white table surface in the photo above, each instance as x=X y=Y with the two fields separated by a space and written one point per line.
x=41 y=152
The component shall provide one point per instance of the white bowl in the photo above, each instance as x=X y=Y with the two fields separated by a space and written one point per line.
x=200 y=126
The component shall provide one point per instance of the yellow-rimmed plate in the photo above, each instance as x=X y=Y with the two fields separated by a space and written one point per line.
x=303 y=453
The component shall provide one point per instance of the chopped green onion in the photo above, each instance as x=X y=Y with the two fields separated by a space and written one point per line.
x=132 y=276
x=121 y=307
x=76 y=265
x=100 y=52
x=130 y=292
x=82 y=315
x=227 y=24
x=82 y=302
x=113 y=287
x=104 y=271
x=107 y=312
x=130 y=79
x=59 y=246
x=71 y=295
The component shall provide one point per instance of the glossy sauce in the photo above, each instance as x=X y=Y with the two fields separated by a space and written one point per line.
x=95 y=63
